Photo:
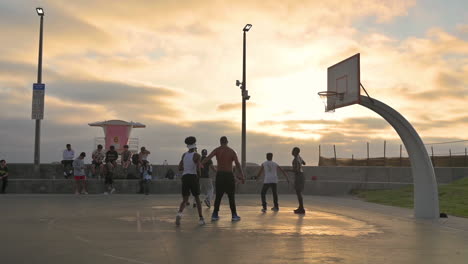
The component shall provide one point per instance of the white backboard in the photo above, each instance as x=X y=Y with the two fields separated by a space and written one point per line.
x=344 y=78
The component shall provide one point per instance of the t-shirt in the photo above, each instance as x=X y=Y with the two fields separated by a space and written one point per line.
x=78 y=167
x=297 y=164
x=270 y=167
x=98 y=155
x=3 y=171
x=112 y=155
x=68 y=154
x=205 y=171
x=126 y=155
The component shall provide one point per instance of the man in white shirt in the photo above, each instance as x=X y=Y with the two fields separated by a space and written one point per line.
x=271 y=180
x=80 y=176
x=68 y=156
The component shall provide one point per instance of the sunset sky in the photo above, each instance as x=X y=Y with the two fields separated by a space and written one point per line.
x=172 y=65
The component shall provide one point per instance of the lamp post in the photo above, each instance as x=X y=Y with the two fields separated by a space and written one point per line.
x=37 y=139
x=245 y=97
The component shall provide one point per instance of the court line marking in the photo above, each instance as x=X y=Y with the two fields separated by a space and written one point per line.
x=127 y=259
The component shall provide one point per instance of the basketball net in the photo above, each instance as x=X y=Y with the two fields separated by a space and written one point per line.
x=329 y=99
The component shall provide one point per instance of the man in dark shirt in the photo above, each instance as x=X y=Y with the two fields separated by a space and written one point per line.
x=112 y=156
x=111 y=163
x=206 y=184
x=4 y=174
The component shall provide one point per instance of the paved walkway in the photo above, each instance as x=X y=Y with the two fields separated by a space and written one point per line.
x=140 y=229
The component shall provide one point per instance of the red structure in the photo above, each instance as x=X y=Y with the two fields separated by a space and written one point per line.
x=117 y=132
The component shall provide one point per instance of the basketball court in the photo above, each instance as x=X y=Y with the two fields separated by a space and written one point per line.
x=140 y=229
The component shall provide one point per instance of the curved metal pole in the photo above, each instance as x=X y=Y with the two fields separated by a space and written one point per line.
x=426 y=198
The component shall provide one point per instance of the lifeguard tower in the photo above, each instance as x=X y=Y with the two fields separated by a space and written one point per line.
x=117 y=134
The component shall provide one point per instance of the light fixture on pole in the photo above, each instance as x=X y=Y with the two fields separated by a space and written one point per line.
x=40 y=11
x=245 y=96
x=38 y=99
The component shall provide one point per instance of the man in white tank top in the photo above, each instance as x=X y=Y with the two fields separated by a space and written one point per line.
x=190 y=165
x=271 y=179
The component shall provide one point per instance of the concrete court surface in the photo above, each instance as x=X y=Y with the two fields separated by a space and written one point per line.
x=140 y=229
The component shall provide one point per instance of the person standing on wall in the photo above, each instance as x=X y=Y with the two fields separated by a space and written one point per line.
x=68 y=156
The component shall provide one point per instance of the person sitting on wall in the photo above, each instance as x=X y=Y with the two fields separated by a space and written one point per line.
x=143 y=155
x=126 y=158
x=4 y=175
x=97 y=156
x=111 y=157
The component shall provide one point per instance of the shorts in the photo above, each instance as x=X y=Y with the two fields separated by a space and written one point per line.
x=96 y=164
x=299 y=181
x=81 y=177
x=190 y=184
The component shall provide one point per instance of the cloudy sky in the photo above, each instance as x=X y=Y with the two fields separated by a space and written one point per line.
x=172 y=65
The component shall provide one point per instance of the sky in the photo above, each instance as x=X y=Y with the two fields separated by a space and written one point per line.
x=172 y=65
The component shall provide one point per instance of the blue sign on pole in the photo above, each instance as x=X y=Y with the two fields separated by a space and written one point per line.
x=38 y=101
x=38 y=86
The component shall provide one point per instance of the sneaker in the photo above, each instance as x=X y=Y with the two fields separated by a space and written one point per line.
x=235 y=218
x=112 y=191
x=299 y=211
x=275 y=209
x=84 y=193
x=201 y=221
x=214 y=217
x=264 y=210
x=207 y=202
x=177 y=219
x=106 y=193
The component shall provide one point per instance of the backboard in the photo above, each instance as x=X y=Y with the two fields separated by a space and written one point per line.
x=344 y=79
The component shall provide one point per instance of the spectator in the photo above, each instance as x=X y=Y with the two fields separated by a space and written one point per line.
x=143 y=154
x=170 y=174
x=126 y=158
x=146 y=171
x=4 y=175
x=98 y=157
x=109 y=177
x=111 y=157
x=80 y=176
x=165 y=163
x=67 y=161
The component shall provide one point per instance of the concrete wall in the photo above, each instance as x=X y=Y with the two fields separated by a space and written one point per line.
x=330 y=180
x=63 y=186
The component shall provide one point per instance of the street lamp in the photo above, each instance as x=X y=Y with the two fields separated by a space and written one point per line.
x=245 y=97
x=38 y=98
x=40 y=11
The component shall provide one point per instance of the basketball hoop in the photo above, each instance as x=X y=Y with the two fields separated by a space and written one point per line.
x=329 y=99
